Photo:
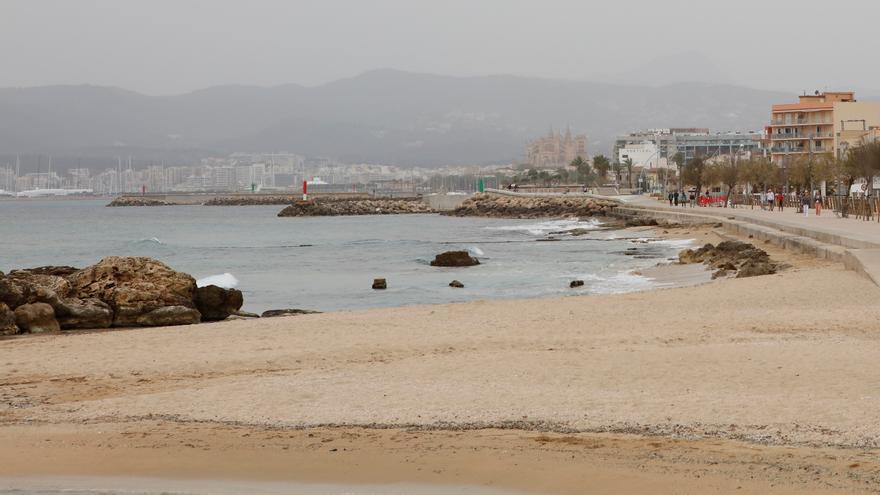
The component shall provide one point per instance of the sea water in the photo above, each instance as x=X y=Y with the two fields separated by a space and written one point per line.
x=329 y=263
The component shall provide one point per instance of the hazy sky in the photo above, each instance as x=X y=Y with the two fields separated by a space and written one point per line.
x=173 y=46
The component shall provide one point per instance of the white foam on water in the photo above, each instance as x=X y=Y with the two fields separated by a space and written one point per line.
x=676 y=243
x=151 y=240
x=475 y=251
x=542 y=228
x=619 y=283
x=224 y=280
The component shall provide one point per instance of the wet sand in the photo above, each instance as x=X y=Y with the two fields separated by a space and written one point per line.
x=761 y=385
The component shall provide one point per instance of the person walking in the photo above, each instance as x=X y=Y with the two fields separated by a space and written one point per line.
x=669 y=197
x=805 y=203
x=818 y=203
x=771 y=198
x=780 y=200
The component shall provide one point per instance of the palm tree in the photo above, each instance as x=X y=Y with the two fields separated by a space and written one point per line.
x=584 y=171
x=628 y=164
x=601 y=165
x=617 y=168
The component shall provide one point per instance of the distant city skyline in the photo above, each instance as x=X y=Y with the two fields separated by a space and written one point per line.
x=167 y=47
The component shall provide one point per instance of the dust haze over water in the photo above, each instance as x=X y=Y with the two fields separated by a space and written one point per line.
x=402 y=82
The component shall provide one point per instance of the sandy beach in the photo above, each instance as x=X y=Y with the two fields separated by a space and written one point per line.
x=761 y=385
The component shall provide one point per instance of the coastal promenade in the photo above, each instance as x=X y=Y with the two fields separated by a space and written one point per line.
x=854 y=242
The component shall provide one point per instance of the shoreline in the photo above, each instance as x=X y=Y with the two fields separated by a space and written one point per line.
x=672 y=390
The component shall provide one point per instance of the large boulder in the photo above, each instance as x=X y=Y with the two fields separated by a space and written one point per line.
x=216 y=303
x=36 y=318
x=455 y=258
x=74 y=313
x=134 y=287
x=7 y=321
x=168 y=316
x=13 y=291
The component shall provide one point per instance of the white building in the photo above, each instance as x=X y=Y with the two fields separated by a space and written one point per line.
x=645 y=154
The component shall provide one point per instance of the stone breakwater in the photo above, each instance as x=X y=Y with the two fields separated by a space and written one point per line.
x=336 y=207
x=134 y=201
x=487 y=205
x=252 y=200
x=115 y=292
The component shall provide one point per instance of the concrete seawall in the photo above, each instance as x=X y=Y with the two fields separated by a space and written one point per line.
x=860 y=255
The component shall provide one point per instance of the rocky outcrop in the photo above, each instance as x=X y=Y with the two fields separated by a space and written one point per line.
x=486 y=205
x=216 y=303
x=36 y=318
x=168 y=316
x=380 y=284
x=137 y=201
x=455 y=258
x=116 y=291
x=134 y=287
x=272 y=313
x=336 y=207
x=7 y=321
x=731 y=258
x=456 y=284
x=49 y=285
x=576 y=283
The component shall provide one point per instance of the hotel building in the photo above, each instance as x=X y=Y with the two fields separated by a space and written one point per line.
x=821 y=123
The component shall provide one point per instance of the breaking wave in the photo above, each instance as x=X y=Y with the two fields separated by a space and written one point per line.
x=225 y=280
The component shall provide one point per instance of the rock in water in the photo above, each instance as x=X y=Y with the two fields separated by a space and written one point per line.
x=36 y=318
x=490 y=205
x=329 y=206
x=455 y=258
x=380 y=284
x=287 y=312
x=216 y=303
x=168 y=316
x=576 y=283
x=134 y=287
x=7 y=321
x=456 y=284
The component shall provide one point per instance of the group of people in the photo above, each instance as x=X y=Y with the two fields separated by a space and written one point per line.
x=684 y=199
x=803 y=201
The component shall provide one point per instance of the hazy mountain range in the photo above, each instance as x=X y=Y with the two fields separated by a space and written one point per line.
x=382 y=116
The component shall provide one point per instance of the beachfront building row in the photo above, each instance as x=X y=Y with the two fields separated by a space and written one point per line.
x=821 y=123
x=656 y=148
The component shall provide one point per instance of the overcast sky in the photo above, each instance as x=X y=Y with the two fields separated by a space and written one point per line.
x=174 y=46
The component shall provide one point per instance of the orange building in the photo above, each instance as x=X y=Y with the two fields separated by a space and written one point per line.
x=820 y=123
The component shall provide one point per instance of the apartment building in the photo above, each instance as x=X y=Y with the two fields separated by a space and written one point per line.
x=820 y=123
x=655 y=148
